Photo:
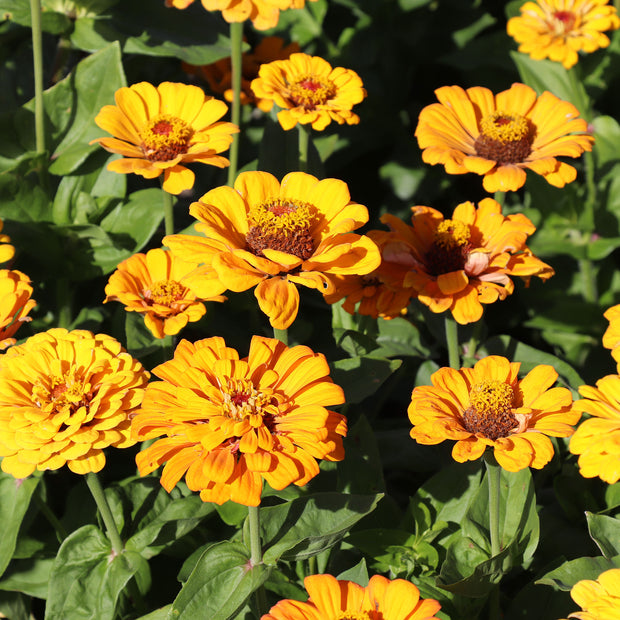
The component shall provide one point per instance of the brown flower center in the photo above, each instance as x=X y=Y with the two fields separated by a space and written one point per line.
x=504 y=138
x=490 y=409
x=356 y=615
x=563 y=22
x=164 y=292
x=450 y=248
x=310 y=91
x=65 y=394
x=164 y=137
x=284 y=225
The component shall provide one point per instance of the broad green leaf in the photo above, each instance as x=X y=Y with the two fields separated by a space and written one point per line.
x=358 y=574
x=18 y=11
x=612 y=495
x=568 y=574
x=14 y=605
x=605 y=150
x=361 y=377
x=398 y=338
x=232 y=513
x=163 y=613
x=605 y=532
x=29 y=576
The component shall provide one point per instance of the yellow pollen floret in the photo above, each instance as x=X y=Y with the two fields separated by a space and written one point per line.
x=309 y=91
x=353 y=615
x=240 y=399
x=165 y=134
x=60 y=392
x=165 y=292
x=451 y=233
x=504 y=127
x=491 y=397
x=281 y=215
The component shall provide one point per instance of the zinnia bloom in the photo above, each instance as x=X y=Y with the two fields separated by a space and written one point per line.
x=499 y=136
x=15 y=304
x=611 y=337
x=597 y=439
x=600 y=599
x=310 y=91
x=488 y=405
x=275 y=236
x=466 y=261
x=558 y=29
x=158 y=129
x=167 y=290
x=7 y=251
x=229 y=423
x=64 y=396
x=381 y=599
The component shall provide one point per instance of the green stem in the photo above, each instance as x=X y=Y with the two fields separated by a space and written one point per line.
x=281 y=335
x=168 y=210
x=304 y=146
x=256 y=554
x=493 y=475
x=472 y=345
x=499 y=197
x=452 y=339
x=64 y=298
x=312 y=565
x=236 y=43
x=586 y=265
x=54 y=521
x=37 y=57
x=104 y=510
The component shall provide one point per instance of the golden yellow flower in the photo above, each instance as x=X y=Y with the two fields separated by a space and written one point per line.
x=489 y=406
x=381 y=599
x=64 y=396
x=599 y=599
x=500 y=136
x=168 y=291
x=597 y=439
x=7 y=251
x=159 y=129
x=468 y=260
x=230 y=423
x=611 y=337
x=276 y=236
x=15 y=304
x=309 y=91
x=558 y=29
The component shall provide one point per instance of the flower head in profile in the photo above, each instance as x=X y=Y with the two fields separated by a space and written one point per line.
x=611 y=337
x=7 y=251
x=64 y=397
x=160 y=129
x=309 y=91
x=219 y=74
x=558 y=29
x=468 y=260
x=228 y=423
x=597 y=439
x=489 y=406
x=167 y=290
x=276 y=236
x=381 y=599
x=599 y=599
x=15 y=304
x=501 y=136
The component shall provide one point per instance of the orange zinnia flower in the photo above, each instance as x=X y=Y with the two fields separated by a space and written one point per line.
x=158 y=129
x=468 y=260
x=558 y=29
x=597 y=439
x=599 y=599
x=229 y=423
x=64 y=396
x=275 y=236
x=167 y=290
x=309 y=91
x=611 y=337
x=499 y=136
x=382 y=598
x=7 y=251
x=15 y=304
x=489 y=406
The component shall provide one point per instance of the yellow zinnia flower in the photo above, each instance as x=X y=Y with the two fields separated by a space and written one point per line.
x=168 y=291
x=597 y=440
x=275 y=236
x=489 y=406
x=611 y=337
x=15 y=304
x=463 y=262
x=7 y=251
x=558 y=29
x=158 y=129
x=499 y=136
x=382 y=598
x=229 y=423
x=599 y=599
x=64 y=396
x=310 y=91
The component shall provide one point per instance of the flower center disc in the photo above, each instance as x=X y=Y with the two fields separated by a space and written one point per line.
x=284 y=225
x=450 y=248
x=165 y=137
x=310 y=91
x=489 y=412
x=504 y=138
x=563 y=22
x=164 y=292
x=64 y=394
x=240 y=400
x=354 y=615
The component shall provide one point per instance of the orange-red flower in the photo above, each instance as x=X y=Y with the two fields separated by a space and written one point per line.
x=7 y=251
x=15 y=304
x=500 y=136
x=230 y=423
x=599 y=599
x=381 y=599
x=159 y=129
x=276 y=236
x=468 y=260
x=167 y=290
x=489 y=406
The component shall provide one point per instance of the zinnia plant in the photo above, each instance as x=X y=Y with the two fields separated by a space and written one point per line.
x=229 y=423
x=15 y=304
x=598 y=598
x=501 y=136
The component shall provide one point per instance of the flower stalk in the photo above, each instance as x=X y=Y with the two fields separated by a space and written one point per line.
x=452 y=340
x=236 y=43
x=168 y=210
x=37 y=57
x=304 y=147
x=94 y=485
x=281 y=335
x=256 y=554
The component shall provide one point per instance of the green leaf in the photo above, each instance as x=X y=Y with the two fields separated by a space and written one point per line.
x=399 y=338
x=361 y=377
x=605 y=532
x=163 y=613
x=568 y=574
x=305 y=526
x=358 y=574
x=220 y=584
x=18 y=11
x=612 y=495
x=29 y=576
x=607 y=133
